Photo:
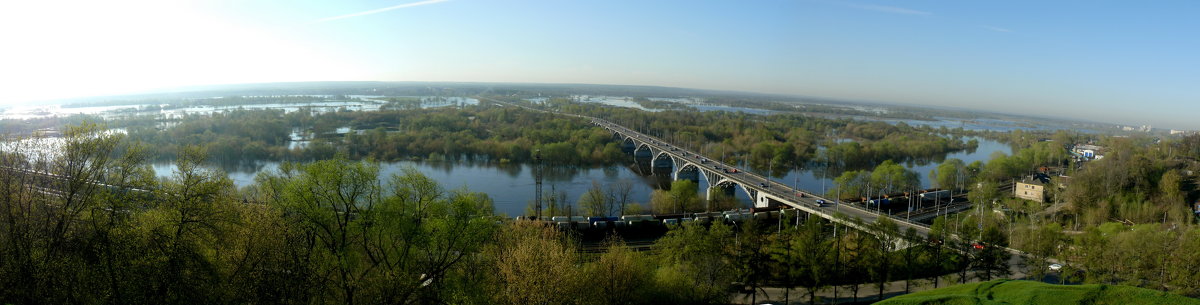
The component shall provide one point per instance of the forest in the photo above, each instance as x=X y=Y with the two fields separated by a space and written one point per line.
x=404 y=130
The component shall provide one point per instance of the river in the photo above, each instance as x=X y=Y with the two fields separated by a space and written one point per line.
x=511 y=186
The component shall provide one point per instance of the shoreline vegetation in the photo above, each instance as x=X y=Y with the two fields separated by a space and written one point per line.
x=495 y=134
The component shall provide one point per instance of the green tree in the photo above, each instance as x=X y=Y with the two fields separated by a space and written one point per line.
x=696 y=264
x=807 y=254
x=887 y=240
x=890 y=177
x=992 y=260
x=533 y=264
x=681 y=198
x=619 y=276
x=951 y=174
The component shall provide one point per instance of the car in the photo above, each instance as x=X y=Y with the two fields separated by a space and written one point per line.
x=717 y=167
x=760 y=184
x=1055 y=267
x=821 y=202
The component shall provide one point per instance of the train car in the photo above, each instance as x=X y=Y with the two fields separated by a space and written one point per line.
x=880 y=202
x=603 y=222
x=766 y=215
x=943 y=194
x=736 y=216
x=568 y=219
x=670 y=216
x=602 y=219
x=636 y=220
x=707 y=217
x=766 y=209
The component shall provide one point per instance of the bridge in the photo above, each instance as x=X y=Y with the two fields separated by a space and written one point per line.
x=765 y=192
x=686 y=164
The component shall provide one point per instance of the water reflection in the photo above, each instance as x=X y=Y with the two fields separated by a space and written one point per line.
x=816 y=178
x=511 y=186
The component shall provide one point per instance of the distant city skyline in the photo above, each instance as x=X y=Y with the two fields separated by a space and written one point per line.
x=1131 y=63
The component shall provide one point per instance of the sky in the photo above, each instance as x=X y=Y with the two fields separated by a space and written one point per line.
x=1126 y=62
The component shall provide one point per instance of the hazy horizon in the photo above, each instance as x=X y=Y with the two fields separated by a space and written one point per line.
x=1125 y=63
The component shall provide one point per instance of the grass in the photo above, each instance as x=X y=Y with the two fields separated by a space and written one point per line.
x=1029 y=292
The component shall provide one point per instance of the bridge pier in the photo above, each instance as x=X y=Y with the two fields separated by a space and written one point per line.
x=762 y=201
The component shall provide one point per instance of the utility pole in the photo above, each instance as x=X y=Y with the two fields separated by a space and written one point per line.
x=537 y=181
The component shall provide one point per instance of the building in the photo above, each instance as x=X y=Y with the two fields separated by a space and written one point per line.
x=1088 y=151
x=1031 y=188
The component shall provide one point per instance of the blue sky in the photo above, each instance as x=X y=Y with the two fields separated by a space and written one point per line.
x=1121 y=62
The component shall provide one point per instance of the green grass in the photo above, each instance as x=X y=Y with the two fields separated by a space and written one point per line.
x=1029 y=292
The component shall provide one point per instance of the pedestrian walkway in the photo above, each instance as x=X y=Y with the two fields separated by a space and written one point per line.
x=868 y=292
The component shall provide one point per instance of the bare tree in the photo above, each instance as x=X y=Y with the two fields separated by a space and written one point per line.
x=620 y=192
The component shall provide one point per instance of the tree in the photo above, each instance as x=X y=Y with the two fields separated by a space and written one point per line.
x=950 y=174
x=807 y=256
x=887 y=240
x=890 y=177
x=937 y=239
x=910 y=256
x=851 y=184
x=324 y=198
x=195 y=214
x=752 y=255
x=619 y=275
x=1041 y=243
x=857 y=254
x=681 y=198
x=992 y=259
x=368 y=245
x=533 y=265
x=620 y=192
x=696 y=264
x=50 y=189
x=595 y=201
x=684 y=195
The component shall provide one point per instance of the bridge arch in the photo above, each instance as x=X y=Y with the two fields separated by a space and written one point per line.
x=643 y=150
x=724 y=184
x=688 y=170
x=664 y=160
x=627 y=141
